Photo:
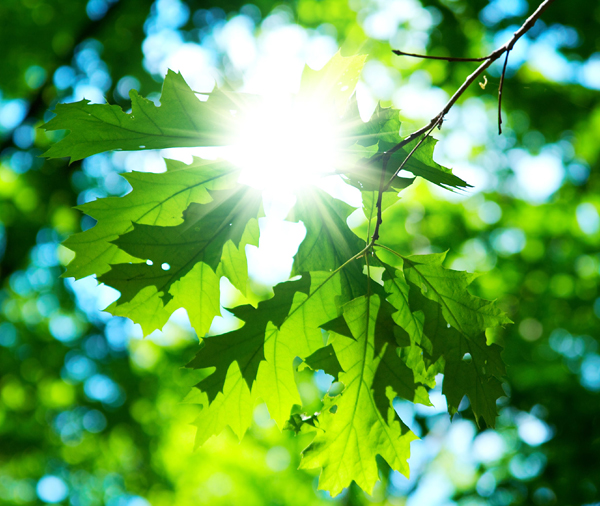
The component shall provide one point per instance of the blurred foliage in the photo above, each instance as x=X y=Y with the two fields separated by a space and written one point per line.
x=81 y=401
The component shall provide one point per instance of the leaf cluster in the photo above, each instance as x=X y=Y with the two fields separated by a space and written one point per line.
x=384 y=325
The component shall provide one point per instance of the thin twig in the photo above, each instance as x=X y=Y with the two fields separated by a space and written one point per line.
x=445 y=58
x=383 y=188
x=525 y=27
x=500 y=93
x=386 y=159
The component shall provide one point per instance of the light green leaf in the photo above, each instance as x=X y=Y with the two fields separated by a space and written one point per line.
x=234 y=264
x=298 y=336
x=181 y=120
x=334 y=84
x=146 y=308
x=356 y=432
x=232 y=407
x=155 y=199
x=246 y=344
x=274 y=334
x=329 y=242
x=468 y=314
x=197 y=292
x=173 y=251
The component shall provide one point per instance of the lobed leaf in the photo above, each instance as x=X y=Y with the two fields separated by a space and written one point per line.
x=181 y=120
x=353 y=435
x=155 y=199
x=171 y=252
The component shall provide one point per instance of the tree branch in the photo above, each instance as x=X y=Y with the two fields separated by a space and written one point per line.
x=491 y=58
x=439 y=118
x=500 y=86
x=445 y=58
x=380 y=198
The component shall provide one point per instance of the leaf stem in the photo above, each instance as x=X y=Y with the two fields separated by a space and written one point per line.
x=390 y=250
x=358 y=255
x=500 y=86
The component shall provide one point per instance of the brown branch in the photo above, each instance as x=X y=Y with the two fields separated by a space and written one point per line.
x=445 y=58
x=525 y=27
x=500 y=86
x=383 y=188
x=437 y=120
x=380 y=198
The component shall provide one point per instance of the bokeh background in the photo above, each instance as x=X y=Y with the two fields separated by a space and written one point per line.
x=91 y=413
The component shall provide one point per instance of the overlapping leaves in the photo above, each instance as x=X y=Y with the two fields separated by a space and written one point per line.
x=166 y=244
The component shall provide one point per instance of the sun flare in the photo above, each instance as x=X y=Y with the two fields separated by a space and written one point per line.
x=285 y=144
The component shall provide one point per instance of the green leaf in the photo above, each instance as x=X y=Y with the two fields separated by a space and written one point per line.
x=325 y=359
x=455 y=324
x=155 y=199
x=383 y=125
x=245 y=345
x=174 y=251
x=234 y=265
x=198 y=292
x=383 y=129
x=396 y=286
x=274 y=334
x=329 y=242
x=182 y=120
x=383 y=331
x=232 y=407
x=394 y=378
x=468 y=314
x=421 y=163
x=332 y=85
x=472 y=367
x=299 y=336
x=356 y=432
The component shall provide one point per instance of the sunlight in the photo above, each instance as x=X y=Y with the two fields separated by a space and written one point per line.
x=284 y=145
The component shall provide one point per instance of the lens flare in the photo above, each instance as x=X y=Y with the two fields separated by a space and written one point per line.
x=284 y=145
